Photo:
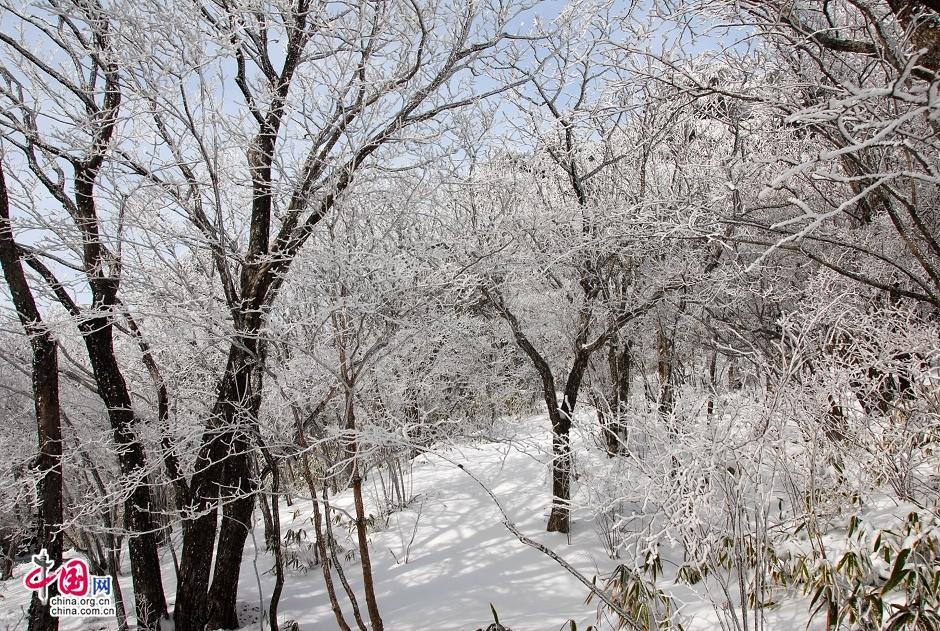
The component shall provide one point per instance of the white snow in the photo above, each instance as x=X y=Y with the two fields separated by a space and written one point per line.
x=461 y=558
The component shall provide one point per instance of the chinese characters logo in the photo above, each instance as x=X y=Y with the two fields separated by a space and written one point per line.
x=81 y=593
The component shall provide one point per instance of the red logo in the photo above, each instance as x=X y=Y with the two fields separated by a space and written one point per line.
x=72 y=577
x=38 y=579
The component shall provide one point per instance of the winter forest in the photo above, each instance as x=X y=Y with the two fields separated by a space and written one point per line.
x=485 y=315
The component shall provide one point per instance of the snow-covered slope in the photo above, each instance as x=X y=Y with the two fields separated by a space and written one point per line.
x=443 y=560
x=462 y=558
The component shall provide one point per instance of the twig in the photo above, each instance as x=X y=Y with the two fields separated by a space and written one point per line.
x=511 y=527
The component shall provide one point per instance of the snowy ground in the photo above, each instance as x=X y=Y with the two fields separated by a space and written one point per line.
x=461 y=559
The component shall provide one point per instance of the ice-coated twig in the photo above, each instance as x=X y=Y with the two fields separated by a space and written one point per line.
x=511 y=527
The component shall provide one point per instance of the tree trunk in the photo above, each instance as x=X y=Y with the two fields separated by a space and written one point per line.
x=560 y=415
x=222 y=462
x=352 y=452
x=321 y=542
x=278 y=558
x=268 y=523
x=712 y=382
x=666 y=369
x=45 y=382
x=46 y=397
x=236 y=515
x=337 y=564
x=619 y=366
x=223 y=592
x=560 y=518
x=199 y=533
x=142 y=541
x=192 y=591
x=364 y=558
x=233 y=532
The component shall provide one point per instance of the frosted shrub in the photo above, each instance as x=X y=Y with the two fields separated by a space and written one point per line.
x=884 y=579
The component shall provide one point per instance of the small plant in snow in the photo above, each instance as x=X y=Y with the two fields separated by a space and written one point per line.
x=886 y=580
x=300 y=554
x=649 y=606
x=496 y=626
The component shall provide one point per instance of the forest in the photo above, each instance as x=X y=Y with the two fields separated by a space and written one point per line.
x=494 y=314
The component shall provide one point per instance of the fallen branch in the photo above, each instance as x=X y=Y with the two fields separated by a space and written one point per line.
x=511 y=527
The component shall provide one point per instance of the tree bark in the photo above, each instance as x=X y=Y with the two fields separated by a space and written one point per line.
x=712 y=381
x=559 y=520
x=192 y=592
x=371 y=603
x=45 y=383
x=665 y=368
x=222 y=462
x=321 y=543
x=352 y=452
x=278 y=557
x=619 y=365
x=142 y=541
x=233 y=532
x=268 y=522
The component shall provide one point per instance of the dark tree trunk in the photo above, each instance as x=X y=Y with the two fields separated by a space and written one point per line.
x=559 y=520
x=102 y=270
x=278 y=558
x=236 y=514
x=352 y=453
x=268 y=522
x=233 y=531
x=223 y=462
x=620 y=368
x=190 y=613
x=712 y=381
x=45 y=382
x=46 y=397
x=337 y=564
x=199 y=532
x=371 y=603
x=142 y=542
x=665 y=367
x=558 y=414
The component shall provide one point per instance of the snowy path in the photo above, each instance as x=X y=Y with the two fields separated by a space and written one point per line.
x=462 y=558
